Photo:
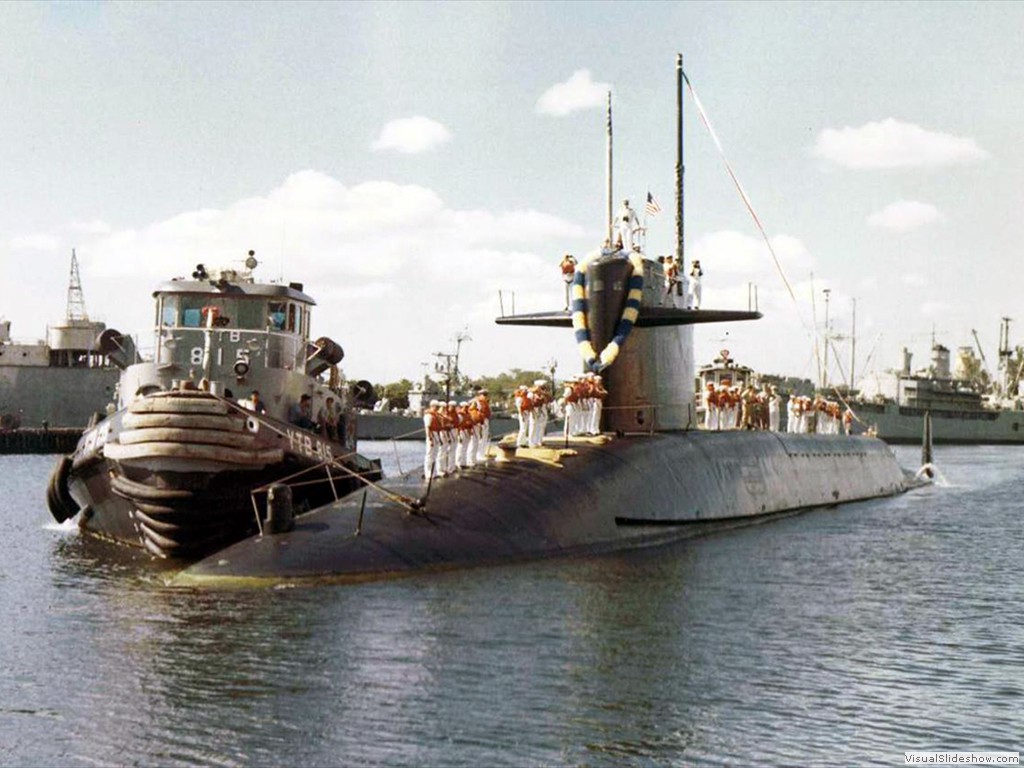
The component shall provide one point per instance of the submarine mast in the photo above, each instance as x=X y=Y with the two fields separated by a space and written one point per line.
x=608 y=175
x=680 y=168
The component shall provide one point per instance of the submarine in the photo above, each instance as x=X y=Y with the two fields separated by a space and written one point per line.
x=651 y=476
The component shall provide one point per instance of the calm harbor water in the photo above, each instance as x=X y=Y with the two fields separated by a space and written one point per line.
x=838 y=637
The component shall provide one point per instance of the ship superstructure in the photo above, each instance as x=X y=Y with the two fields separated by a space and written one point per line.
x=59 y=381
x=894 y=403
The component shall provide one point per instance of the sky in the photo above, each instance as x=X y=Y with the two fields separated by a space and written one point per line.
x=410 y=162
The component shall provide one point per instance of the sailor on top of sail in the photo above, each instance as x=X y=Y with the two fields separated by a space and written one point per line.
x=672 y=276
x=568 y=268
x=626 y=224
x=696 y=273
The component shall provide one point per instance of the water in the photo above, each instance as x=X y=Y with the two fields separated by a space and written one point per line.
x=842 y=636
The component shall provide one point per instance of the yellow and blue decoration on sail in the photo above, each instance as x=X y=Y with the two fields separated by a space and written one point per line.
x=630 y=311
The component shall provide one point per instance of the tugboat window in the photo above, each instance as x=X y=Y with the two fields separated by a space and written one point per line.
x=169 y=311
x=250 y=314
x=275 y=316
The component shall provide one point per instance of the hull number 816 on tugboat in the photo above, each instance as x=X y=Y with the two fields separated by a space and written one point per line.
x=235 y=399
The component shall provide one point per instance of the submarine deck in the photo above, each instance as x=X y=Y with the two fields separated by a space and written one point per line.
x=595 y=496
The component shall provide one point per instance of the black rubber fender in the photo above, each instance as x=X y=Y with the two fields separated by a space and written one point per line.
x=132 y=489
x=58 y=497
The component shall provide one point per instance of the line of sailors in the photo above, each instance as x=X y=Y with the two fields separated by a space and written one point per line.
x=533 y=409
x=582 y=399
x=818 y=415
x=675 y=281
x=457 y=435
x=733 y=407
x=579 y=406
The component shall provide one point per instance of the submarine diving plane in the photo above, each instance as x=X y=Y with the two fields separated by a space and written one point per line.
x=651 y=477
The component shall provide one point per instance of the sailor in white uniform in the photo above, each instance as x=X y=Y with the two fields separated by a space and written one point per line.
x=774 y=409
x=432 y=427
x=626 y=224
x=523 y=407
x=538 y=420
x=695 y=275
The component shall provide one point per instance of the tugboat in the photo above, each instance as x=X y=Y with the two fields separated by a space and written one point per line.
x=225 y=408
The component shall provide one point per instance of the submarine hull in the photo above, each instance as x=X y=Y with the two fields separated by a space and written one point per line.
x=632 y=491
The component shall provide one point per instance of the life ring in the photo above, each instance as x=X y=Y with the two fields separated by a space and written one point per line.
x=630 y=311
x=210 y=312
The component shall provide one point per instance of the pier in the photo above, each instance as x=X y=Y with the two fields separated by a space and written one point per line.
x=55 y=440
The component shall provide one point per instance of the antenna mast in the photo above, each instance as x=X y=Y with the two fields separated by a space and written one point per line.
x=76 y=301
x=609 y=169
x=680 y=169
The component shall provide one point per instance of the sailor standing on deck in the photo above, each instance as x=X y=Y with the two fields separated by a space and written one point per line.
x=432 y=427
x=464 y=430
x=626 y=223
x=538 y=412
x=774 y=409
x=523 y=407
x=451 y=441
x=599 y=393
x=569 y=409
x=709 y=405
x=483 y=437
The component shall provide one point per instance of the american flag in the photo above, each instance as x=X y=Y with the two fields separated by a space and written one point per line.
x=652 y=208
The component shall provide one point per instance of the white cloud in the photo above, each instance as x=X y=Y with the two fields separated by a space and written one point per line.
x=411 y=135
x=34 y=242
x=95 y=227
x=576 y=93
x=893 y=144
x=736 y=254
x=914 y=280
x=935 y=309
x=395 y=270
x=904 y=216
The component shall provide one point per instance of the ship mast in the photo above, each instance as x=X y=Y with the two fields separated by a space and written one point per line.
x=680 y=168
x=608 y=172
x=1004 y=355
x=76 y=301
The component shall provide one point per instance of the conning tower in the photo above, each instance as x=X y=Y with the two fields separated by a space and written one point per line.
x=650 y=380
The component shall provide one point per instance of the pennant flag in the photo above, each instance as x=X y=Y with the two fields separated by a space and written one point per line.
x=652 y=208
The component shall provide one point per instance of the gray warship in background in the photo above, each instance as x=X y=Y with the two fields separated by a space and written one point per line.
x=649 y=478
x=59 y=382
x=178 y=467
x=892 y=405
